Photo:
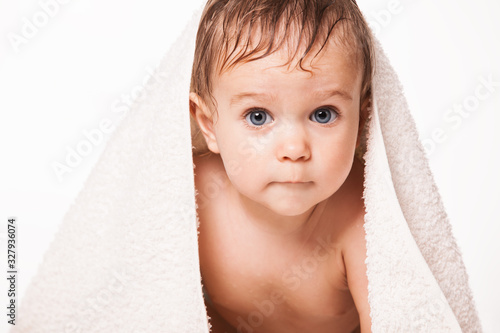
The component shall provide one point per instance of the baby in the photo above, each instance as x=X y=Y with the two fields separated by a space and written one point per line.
x=279 y=96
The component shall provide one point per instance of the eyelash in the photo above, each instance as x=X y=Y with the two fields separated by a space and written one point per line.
x=331 y=108
x=249 y=112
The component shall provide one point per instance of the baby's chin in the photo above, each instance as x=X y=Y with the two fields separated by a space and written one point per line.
x=302 y=200
x=291 y=208
x=282 y=200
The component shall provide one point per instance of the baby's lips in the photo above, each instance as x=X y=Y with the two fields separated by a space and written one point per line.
x=295 y=182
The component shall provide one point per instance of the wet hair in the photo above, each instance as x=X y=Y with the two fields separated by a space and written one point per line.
x=238 y=31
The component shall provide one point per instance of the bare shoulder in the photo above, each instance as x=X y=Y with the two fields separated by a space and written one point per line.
x=352 y=243
x=354 y=256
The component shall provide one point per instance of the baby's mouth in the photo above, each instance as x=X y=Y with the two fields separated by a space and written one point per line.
x=295 y=182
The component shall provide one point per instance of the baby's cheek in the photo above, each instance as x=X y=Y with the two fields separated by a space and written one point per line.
x=339 y=164
x=232 y=150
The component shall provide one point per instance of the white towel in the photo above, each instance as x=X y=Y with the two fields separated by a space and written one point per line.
x=125 y=259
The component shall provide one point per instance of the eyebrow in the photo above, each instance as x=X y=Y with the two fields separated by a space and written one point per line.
x=331 y=93
x=324 y=94
x=250 y=95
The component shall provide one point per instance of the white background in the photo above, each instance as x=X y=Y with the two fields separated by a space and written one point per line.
x=82 y=64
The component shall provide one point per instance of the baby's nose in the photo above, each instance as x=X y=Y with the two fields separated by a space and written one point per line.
x=293 y=145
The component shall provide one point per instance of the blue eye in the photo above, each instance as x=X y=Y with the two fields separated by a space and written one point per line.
x=258 y=118
x=324 y=115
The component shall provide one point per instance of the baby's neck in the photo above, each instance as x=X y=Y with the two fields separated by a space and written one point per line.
x=266 y=221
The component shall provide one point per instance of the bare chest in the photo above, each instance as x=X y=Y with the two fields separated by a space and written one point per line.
x=262 y=286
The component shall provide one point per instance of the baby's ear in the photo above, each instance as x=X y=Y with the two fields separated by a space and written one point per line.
x=364 y=111
x=201 y=113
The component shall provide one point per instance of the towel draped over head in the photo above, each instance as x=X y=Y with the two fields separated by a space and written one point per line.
x=125 y=258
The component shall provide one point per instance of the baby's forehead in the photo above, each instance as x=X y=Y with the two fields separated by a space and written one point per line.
x=291 y=58
x=295 y=51
x=331 y=70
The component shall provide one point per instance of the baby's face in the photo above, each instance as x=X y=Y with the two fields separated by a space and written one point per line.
x=286 y=137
